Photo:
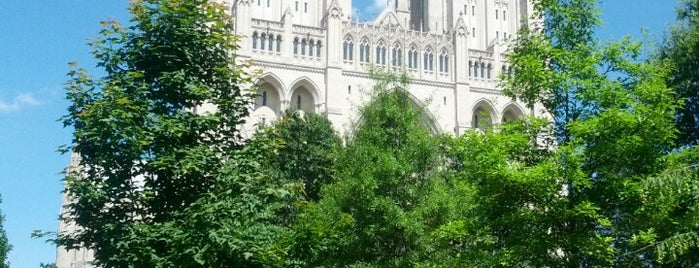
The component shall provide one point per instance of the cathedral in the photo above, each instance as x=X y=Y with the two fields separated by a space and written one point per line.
x=315 y=56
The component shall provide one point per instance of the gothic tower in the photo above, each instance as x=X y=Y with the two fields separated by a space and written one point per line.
x=419 y=15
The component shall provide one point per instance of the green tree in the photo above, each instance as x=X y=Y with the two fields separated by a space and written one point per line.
x=308 y=153
x=5 y=246
x=681 y=50
x=241 y=221
x=671 y=200
x=389 y=193
x=613 y=116
x=161 y=181
x=516 y=189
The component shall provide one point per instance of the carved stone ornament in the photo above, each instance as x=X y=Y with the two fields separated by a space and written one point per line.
x=501 y=4
x=245 y=2
x=461 y=31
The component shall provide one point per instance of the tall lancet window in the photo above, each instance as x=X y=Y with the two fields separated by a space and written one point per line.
x=364 y=51
x=319 y=45
x=270 y=46
x=428 y=64
x=296 y=46
x=348 y=49
x=279 y=43
x=475 y=69
x=470 y=68
x=304 y=44
x=444 y=62
x=263 y=41
x=255 y=37
x=397 y=56
x=412 y=57
x=381 y=54
x=311 y=45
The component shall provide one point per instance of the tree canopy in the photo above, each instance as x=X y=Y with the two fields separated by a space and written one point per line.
x=681 y=51
x=165 y=180
x=5 y=246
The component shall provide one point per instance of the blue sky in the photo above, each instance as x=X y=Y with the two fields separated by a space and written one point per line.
x=39 y=38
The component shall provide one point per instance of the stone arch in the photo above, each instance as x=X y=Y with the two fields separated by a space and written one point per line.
x=512 y=112
x=304 y=95
x=483 y=114
x=428 y=120
x=270 y=91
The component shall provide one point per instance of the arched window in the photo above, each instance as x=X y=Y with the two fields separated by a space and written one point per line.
x=364 y=51
x=270 y=46
x=412 y=57
x=475 y=69
x=318 y=46
x=490 y=70
x=444 y=62
x=470 y=68
x=302 y=99
x=428 y=58
x=381 y=54
x=511 y=114
x=279 y=43
x=348 y=49
x=397 y=56
x=296 y=46
x=311 y=45
x=304 y=44
x=263 y=41
x=255 y=36
x=481 y=118
x=482 y=69
x=264 y=98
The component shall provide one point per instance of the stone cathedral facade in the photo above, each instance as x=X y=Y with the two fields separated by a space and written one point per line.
x=314 y=55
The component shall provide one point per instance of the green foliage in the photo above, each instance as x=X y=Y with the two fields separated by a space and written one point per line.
x=5 y=246
x=163 y=184
x=308 y=153
x=671 y=202
x=613 y=116
x=681 y=50
x=239 y=222
x=517 y=186
x=388 y=195
x=160 y=182
x=554 y=59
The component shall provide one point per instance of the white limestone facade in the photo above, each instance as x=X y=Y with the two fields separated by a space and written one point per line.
x=313 y=55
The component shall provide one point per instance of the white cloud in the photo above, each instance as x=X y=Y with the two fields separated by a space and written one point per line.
x=18 y=102
x=373 y=9
x=379 y=4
